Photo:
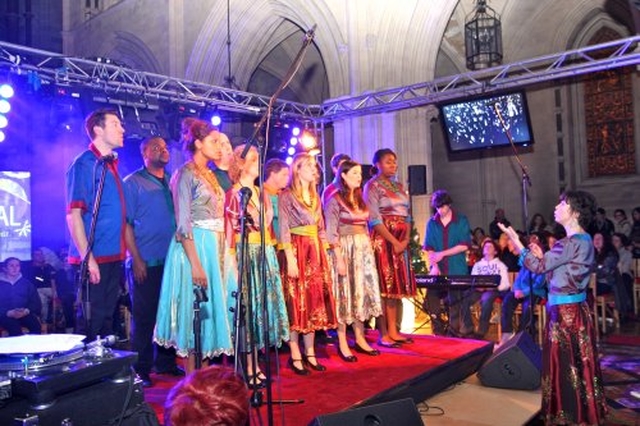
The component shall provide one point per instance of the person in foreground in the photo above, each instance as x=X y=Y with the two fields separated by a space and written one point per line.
x=209 y=396
x=572 y=387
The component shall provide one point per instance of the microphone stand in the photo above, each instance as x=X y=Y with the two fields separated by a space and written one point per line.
x=262 y=150
x=83 y=272
x=525 y=184
x=200 y=296
x=240 y=311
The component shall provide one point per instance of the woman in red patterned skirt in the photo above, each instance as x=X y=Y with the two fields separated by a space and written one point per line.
x=306 y=273
x=390 y=225
x=572 y=388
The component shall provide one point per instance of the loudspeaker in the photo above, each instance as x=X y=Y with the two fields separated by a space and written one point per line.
x=515 y=365
x=366 y=173
x=417 y=180
x=401 y=412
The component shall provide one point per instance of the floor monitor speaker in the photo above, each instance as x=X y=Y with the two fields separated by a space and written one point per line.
x=401 y=412
x=515 y=365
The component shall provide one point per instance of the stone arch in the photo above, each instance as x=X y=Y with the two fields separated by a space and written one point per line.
x=126 y=48
x=278 y=20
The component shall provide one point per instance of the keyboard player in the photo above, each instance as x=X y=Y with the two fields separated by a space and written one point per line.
x=447 y=238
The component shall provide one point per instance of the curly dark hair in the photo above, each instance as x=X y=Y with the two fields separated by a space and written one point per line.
x=193 y=130
x=583 y=203
x=378 y=156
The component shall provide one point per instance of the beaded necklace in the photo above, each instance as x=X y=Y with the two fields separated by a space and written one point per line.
x=208 y=177
x=390 y=185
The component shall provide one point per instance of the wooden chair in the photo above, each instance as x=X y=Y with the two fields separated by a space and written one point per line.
x=603 y=304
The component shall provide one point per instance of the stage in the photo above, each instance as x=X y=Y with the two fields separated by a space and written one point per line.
x=419 y=371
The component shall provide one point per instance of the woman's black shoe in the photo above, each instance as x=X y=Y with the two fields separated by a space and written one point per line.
x=405 y=340
x=299 y=371
x=350 y=358
x=372 y=352
x=257 y=382
x=387 y=344
x=317 y=366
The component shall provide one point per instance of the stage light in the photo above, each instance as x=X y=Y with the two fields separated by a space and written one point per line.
x=2 y=136
x=293 y=141
x=308 y=140
x=295 y=131
x=216 y=120
x=289 y=160
x=291 y=150
x=3 y=121
x=6 y=91
x=5 y=106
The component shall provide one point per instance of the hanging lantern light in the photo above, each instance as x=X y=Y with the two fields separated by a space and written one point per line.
x=483 y=37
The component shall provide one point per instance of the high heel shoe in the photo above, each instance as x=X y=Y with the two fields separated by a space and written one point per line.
x=317 y=366
x=360 y=349
x=387 y=344
x=256 y=381
x=299 y=371
x=404 y=340
x=345 y=358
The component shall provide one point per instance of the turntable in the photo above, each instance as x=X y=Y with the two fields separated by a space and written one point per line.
x=78 y=386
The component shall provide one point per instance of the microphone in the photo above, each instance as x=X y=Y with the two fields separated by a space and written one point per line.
x=310 y=33
x=496 y=107
x=245 y=196
x=109 y=158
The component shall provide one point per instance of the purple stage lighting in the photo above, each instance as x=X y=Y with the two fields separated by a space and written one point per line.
x=5 y=106
x=3 y=121
x=216 y=120
x=6 y=91
x=2 y=136
x=295 y=131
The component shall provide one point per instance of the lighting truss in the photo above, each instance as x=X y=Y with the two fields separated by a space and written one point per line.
x=114 y=79
x=117 y=80
x=568 y=64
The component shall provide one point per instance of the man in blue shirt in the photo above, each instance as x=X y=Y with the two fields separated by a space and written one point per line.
x=447 y=239
x=150 y=228
x=108 y=251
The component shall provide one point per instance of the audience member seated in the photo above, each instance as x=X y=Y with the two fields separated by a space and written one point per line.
x=475 y=251
x=494 y=231
x=507 y=253
x=20 y=303
x=520 y=292
x=607 y=276
x=43 y=276
x=601 y=224
x=621 y=224
x=538 y=224
x=209 y=396
x=620 y=243
x=488 y=265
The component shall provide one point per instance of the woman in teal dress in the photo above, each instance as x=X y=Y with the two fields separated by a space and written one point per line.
x=275 y=321
x=196 y=255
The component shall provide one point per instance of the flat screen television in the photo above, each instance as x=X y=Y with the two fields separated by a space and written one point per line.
x=475 y=124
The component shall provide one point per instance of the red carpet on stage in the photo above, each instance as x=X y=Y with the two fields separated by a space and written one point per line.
x=344 y=385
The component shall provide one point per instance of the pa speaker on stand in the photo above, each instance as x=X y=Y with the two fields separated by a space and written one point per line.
x=417 y=180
